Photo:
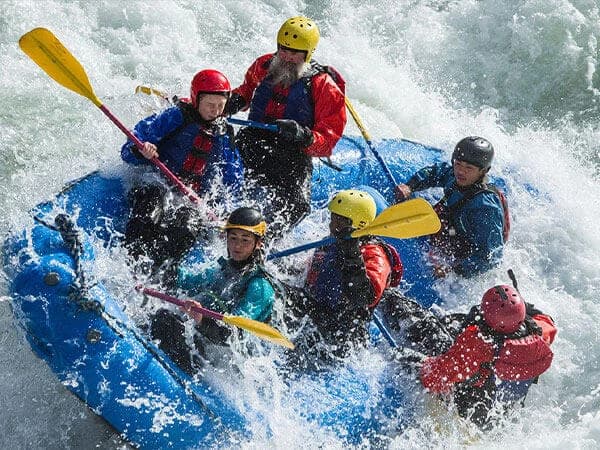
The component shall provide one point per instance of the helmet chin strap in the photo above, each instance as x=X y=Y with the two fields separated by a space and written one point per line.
x=513 y=278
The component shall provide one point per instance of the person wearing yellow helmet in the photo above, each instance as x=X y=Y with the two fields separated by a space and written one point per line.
x=238 y=285
x=346 y=280
x=306 y=102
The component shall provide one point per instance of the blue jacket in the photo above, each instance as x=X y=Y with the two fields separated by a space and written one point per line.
x=220 y=286
x=478 y=222
x=178 y=132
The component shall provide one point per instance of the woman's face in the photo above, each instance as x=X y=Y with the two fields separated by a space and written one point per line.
x=211 y=106
x=241 y=244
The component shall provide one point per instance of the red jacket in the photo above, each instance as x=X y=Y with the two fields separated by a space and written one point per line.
x=520 y=359
x=329 y=101
x=378 y=268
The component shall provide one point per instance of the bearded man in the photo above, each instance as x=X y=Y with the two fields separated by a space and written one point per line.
x=306 y=102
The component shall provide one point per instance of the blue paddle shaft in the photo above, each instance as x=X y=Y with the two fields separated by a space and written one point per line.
x=386 y=333
x=301 y=248
x=384 y=166
x=252 y=123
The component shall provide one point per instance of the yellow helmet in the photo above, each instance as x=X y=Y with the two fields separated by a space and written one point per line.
x=355 y=205
x=249 y=219
x=299 y=33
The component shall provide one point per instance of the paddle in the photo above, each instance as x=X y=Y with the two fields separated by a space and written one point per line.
x=260 y=329
x=151 y=91
x=52 y=56
x=248 y=123
x=253 y=123
x=405 y=220
x=363 y=130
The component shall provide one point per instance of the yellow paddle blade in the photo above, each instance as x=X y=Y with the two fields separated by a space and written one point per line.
x=150 y=91
x=405 y=220
x=51 y=55
x=260 y=329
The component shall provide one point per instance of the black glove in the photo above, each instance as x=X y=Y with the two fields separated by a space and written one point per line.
x=291 y=131
x=234 y=104
x=350 y=250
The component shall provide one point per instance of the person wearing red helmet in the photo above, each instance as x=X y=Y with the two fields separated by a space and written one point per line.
x=501 y=347
x=307 y=103
x=193 y=140
x=473 y=212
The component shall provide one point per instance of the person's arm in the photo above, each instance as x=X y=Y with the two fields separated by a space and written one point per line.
x=151 y=129
x=437 y=175
x=257 y=304
x=356 y=285
x=544 y=321
x=378 y=269
x=329 y=116
x=194 y=281
x=482 y=223
x=462 y=361
x=242 y=95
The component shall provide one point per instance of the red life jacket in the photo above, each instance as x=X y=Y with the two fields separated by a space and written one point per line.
x=517 y=358
x=523 y=359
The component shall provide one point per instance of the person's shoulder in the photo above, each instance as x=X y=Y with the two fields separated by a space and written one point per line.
x=438 y=167
x=324 y=81
x=486 y=199
x=263 y=60
x=471 y=336
x=261 y=281
x=174 y=111
x=372 y=246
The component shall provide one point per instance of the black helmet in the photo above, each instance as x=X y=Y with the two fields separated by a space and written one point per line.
x=474 y=150
x=248 y=219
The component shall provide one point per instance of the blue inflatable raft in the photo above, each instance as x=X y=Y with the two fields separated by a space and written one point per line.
x=79 y=328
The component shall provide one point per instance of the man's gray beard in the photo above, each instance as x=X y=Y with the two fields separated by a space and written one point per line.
x=285 y=73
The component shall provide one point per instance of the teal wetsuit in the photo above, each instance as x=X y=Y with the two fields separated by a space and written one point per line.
x=222 y=286
x=242 y=290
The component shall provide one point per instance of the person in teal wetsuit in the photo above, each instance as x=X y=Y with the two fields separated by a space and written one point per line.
x=237 y=285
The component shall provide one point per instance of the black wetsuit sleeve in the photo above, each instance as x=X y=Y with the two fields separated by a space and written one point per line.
x=355 y=282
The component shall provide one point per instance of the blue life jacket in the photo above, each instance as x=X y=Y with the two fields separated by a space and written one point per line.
x=174 y=131
x=327 y=287
x=298 y=103
x=473 y=222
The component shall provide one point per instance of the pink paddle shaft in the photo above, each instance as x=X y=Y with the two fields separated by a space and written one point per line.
x=164 y=169
x=180 y=302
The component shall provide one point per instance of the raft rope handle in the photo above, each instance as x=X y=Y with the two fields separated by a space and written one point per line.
x=79 y=289
x=64 y=225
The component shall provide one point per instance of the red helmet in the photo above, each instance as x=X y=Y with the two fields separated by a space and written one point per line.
x=503 y=309
x=209 y=81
